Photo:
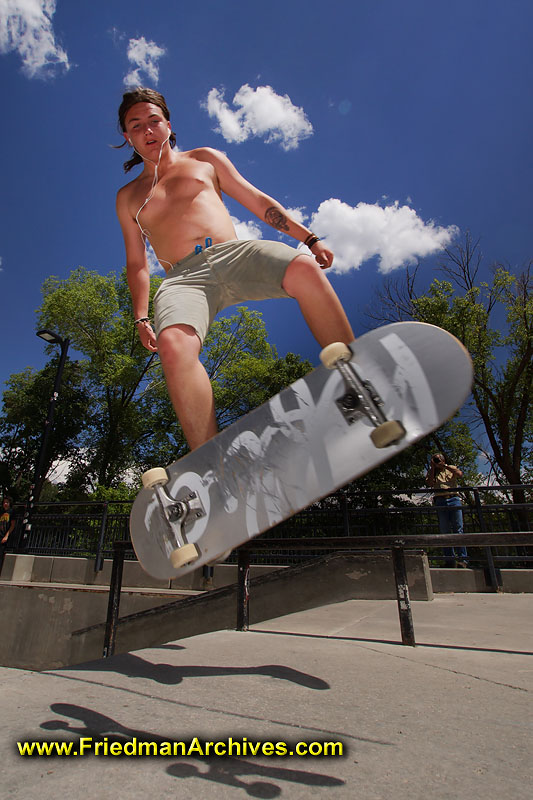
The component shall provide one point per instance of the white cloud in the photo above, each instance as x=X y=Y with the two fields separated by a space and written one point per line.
x=394 y=234
x=298 y=215
x=153 y=264
x=246 y=230
x=143 y=56
x=26 y=28
x=260 y=112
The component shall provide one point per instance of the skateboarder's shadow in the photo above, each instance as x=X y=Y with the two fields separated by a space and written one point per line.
x=228 y=771
x=136 y=667
x=221 y=770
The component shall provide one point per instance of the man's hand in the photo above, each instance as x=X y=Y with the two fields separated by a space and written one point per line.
x=323 y=254
x=454 y=470
x=147 y=336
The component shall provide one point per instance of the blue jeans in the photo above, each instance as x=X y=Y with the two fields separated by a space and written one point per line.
x=451 y=521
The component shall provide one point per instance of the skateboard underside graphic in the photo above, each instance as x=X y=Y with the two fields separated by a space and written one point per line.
x=325 y=430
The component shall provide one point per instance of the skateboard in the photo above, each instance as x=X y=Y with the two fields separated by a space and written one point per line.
x=362 y=406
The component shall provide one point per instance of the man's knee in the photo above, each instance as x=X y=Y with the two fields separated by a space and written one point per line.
x=300 y=272
x=178 y=342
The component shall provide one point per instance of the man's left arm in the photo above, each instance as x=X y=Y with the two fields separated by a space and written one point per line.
x=262 y=205
x=279 y=218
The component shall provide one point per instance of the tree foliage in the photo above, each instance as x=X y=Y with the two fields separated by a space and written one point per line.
x=25 y=408
x=94 y=311
x=494 y=320
x=114 y=418
x=244 y=368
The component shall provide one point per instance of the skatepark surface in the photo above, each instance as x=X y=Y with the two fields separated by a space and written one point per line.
x=449 y=718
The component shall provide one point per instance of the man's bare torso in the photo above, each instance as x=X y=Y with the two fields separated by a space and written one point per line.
x=186 y=207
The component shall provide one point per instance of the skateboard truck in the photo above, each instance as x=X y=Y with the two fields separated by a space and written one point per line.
x=360 y=398
x=175 y=513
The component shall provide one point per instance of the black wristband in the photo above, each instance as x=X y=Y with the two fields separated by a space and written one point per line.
x=311 y=240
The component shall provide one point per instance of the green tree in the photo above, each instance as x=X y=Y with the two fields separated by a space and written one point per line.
x=494 y=320
x=24 y=411
x=94 y=311
x=126 y=423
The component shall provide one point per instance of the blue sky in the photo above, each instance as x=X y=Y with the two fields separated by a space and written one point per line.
x=393 y=128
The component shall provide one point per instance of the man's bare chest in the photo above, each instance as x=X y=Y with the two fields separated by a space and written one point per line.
x=174 y=192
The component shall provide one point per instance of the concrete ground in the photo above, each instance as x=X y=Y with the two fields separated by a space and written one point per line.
x=451 y=718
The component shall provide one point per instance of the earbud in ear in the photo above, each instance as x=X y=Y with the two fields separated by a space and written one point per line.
x=130 y=142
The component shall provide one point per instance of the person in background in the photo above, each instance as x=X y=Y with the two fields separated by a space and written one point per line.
x=7 y=525
x=442 y=478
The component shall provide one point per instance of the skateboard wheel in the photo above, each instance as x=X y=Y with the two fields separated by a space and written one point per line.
x=183 y=555
x=153 y=477
x=387 y=433
x=334 y=352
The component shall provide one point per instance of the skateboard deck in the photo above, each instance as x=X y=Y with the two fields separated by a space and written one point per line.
x=306 y=442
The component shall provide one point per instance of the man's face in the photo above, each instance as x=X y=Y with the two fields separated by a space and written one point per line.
x=146 y=129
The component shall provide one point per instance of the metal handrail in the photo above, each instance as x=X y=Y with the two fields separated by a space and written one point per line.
x=396 y=544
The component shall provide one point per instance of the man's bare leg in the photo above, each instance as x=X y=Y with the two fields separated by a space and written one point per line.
x=179 y=348
x=188 y=383
x=322 y=310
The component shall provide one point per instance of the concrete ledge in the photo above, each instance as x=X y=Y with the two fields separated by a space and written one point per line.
x=37 y=620
x=68 y=570
x=515 y=581
x=44 y=627
x=374 y=574
x=22 y=568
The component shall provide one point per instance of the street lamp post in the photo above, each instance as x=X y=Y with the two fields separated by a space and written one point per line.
x=38 y=478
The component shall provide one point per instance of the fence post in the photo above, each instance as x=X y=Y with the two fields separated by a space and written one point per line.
x=495 y=579
x=402 y=596
x=345 y=515
x=99 y=561
x=243 y=589
x=119 y=549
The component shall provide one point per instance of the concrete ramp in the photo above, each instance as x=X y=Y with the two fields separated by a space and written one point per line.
x=325 y=580
x=37 y=619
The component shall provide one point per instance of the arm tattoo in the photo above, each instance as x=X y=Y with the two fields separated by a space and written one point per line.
x=276 y=218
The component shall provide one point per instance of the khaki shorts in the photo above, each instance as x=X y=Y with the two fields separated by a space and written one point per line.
x=196 y=288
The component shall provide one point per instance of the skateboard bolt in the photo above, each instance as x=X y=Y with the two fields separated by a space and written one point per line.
x=349 y=401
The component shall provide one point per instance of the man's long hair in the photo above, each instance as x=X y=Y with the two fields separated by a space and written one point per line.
x=141 y=95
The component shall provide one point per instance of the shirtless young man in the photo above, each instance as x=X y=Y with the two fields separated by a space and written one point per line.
x=176 y=203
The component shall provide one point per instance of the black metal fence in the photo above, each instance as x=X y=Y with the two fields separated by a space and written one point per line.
x=485 y=510
x=82 y=530
x=89 y=530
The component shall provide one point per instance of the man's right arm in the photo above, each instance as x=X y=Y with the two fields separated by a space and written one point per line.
x=8 y=532
x=137 y=270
